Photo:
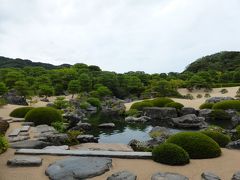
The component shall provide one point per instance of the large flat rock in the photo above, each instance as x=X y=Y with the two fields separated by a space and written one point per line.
x=14 y=132
x=112 y=154
x=25 y=161
x=168 y=176
x=122 y=175
x=75 y=168
x=29 y=144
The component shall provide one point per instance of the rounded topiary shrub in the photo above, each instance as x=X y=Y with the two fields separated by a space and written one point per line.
x=20 y=112
x=175 y=105
x=172 y=154
x=3 y=144
x=228 y=104
x=43 y=115
x=220 y=138
x=94 y=102
x=206 y=106
x=198 y=145
x=219 y=115
x=140 y=105
x=161 y=102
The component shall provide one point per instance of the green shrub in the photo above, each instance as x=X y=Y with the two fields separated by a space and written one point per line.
x=161 y=102
x=216 y=128
x=175 y=105
x=238 y=132
x=84 y=105
x=219 y=115
x=223 y=91
x=133 y=112
x=228 y=104
x=140 y=105
x=198 y=145
x=188 y=96
x=72 y=137
x=3 y=144
x=207 y=95
x=61 y=103
x=238 y=93
x=43 y=115
x=2 y=102
x=199 y=96
x=172 y=154
x=206 y=106
x=59 y=126
x=94 y=102
x=20 y=112
x=220 y=138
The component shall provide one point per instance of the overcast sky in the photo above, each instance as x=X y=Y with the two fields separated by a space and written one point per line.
x=119 y=35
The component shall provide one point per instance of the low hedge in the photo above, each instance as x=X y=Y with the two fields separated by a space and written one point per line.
x=3 y=144
x=220 y=138
x=43 y=115
x=161 y=102
x=206 y=106
x=228 y=104
x=172 y=154
x=175 y=105
x=198 y=145
x=140 y=105
x=20 y=112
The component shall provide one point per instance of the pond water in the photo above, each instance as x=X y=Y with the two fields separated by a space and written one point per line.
x=123 y=132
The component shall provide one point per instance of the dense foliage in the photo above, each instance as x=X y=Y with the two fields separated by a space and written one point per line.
x=228 y=104
x=20 y=112
x=161 y=102
x=140 y=105
x=172 y=154
x=175 y=105
x=219 y=115
x=43 y=115
x=220 y=138
x=3 y=144
x=198 y=145
x=206 y=106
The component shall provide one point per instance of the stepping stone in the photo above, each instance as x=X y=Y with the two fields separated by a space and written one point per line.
x=209 y=176
x=25 y=129
x=15 y=132
x=18 y=138
x=28 y=124
x=236 y=176
x=23 y=134
x=107 y=125
x=29 y=144
x=78 y=168
x=18 y=119
x=122 y=175
x=64 y=147
x=25 y=161
x=168 y=176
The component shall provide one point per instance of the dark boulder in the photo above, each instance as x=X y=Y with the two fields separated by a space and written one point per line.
x=188 y=110
x=87 y=139
x=160 y=114
x=218 y=99
x=13 y=98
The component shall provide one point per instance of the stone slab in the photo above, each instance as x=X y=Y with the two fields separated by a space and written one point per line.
x=18 y=138
x=15 y=132
x=18 y=119
x=25 y=161
x=112 y=154
x=25 y=129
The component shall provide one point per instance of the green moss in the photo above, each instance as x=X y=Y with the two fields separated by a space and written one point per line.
x=3 y=144
x=175 y=105
x=140 y=105
x=220 y=138
x=172 y=154
x=228 y=104
x=133 y=112
x=20 y=112
x=206 y=106
x=161 y=102
x=198 y=145
x=43 y=115
x=220 y=115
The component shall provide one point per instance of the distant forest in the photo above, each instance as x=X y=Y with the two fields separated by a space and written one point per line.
x=28 y=78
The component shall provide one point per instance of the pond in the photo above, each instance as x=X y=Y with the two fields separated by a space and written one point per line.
x=123 y=132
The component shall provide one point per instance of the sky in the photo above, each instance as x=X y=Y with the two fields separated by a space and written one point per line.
x=154 y=36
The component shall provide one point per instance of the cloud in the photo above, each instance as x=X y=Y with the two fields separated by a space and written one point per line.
x=153 y=36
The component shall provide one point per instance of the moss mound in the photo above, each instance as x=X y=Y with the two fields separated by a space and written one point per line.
x=3 y=144
x=20 y=112
x=198 y=145
x=161 y=102
x=43 y=115
x=94 y=102
x=140 y=105
x=206 y=106
x=175 y=105
x=228 y=104
x=172 y=154
x=219 y=115
x=220 y=138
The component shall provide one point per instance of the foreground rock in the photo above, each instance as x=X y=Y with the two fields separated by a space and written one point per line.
x=160 y=131
x=234 y=145
x=137 y=119
x=188 y=110
x=160 y=114
x=4 y=125
x=29 y=144
x=209 y=176
x=12 y=98
x=189 y=121
x=25 y=161
x=218 y=99
x=122 y=175
x=87 y=139
x=78 y=168
x=168 y=176
x=236 y=176
x=82 y=126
